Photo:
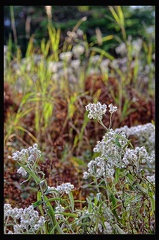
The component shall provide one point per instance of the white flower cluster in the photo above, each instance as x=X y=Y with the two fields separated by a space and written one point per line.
x=30 y=154
x=136 y=46
x=114 y=152
x=96 y=167
x=58 y=210
x=26 y=156
x=66 y=56
x=121 y=49
x=112 y=108
x=110 y=149
x=151 y=159
x=63 y=188
x=55 y=66
x=96 y=110
x=145 y=134
x=78 y=50
x=151 y=178
x=27 y=219
x=135 y=156
x=75 y=64
x=22 y=171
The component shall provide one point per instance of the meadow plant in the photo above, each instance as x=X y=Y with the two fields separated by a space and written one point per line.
x=121 y=197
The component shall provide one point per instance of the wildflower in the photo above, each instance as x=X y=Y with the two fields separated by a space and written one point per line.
x=65 y=188
x=75 y=64
x=145 y=134
x=78 y=50
x=104 y=64
x=59 y=209
x=85 y=175
x=112 y=108
x=22 y=171
x=79 y=32
x=55 y=66
x=121 y=49
x=136 y=46
x=71 y=35
x=151 y=178
x=66 y=56
x=96 y=110
x=28 y=218
x=25 y=155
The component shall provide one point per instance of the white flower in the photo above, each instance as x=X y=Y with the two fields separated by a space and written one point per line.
x=145 y=134
x=15 y=156
x=96 y=110
x=79 y=32
x=75 y=64
x=28 y=219
x=85 y=175
x=30 y=154
x=59 y=209
x=78 y=50
x=104 y=65
x=66 y=56
x=65 y=188
x=151 y=178
x=112 y=108
x=22 y=171
x=121 y=49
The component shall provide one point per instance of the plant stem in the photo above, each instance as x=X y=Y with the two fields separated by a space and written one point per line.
x=13 y=25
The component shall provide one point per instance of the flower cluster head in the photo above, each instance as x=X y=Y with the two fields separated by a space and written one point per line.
x=26 y=156
x=121 y=49
x=96 y=110
x=151 y=178
x=58 y=210
x=22 y=171
x=27 y=219
x=144 y=133
x=78 y=50
x=66 y=56
x=112 y=108
x=114 y=153
x=30 y=154
x=62 y=189
x=111 y=147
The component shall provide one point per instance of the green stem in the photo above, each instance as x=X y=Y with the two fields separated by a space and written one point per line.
x=100 y=121
x=13 y=24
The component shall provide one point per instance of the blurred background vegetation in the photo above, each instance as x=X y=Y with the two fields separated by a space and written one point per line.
x=21 y=22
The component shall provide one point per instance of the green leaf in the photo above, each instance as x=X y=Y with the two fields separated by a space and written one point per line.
x=39 y=199
x=102 y=52
x=71 y=201
x=117 y=172
x=52 y=215
x=113 y=199
x=117 y=19
x=37 y=203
